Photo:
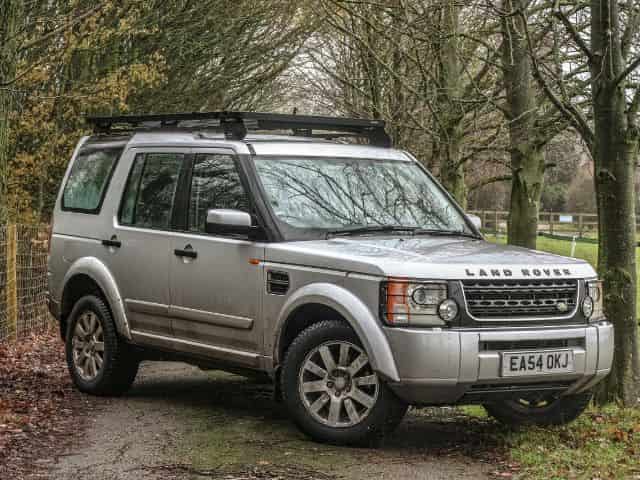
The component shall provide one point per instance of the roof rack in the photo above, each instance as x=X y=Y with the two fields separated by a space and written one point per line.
x=236 y=124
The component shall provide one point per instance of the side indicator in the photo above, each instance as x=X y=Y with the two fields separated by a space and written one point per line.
x=254 y=261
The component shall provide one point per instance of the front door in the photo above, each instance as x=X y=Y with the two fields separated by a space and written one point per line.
x=215 y=281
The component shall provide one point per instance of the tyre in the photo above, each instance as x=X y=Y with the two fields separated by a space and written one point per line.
x=331 y=391
x=539 y=409
x=99 y=362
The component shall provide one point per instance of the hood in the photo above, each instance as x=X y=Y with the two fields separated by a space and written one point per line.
x=427 y=257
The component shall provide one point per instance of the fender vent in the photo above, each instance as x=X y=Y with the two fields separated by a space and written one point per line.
x=277 y=283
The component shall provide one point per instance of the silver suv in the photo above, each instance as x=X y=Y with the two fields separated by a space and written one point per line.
x=343 y=271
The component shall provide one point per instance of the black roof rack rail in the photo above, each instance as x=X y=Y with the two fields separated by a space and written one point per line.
x=236 y=124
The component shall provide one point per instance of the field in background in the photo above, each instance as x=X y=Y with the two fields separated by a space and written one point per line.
x=585 y=251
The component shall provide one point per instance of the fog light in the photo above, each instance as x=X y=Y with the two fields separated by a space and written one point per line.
x=448 y=310
x=587 y=307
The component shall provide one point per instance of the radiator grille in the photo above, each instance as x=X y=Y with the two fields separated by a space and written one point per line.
x=489 y=299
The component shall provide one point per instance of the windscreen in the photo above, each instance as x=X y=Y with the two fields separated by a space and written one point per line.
x=335 y=193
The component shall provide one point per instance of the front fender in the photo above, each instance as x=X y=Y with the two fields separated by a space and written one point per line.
x=99 y=273
x=355 y=312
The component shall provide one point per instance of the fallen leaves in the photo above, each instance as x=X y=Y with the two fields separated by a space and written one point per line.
x=39 y=408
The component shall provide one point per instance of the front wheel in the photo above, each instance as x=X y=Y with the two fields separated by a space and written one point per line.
x=539 y=409
x=332 y=392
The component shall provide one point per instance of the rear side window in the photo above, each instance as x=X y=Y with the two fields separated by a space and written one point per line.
x=215 y=183
x=88 y=180
x=151 y=190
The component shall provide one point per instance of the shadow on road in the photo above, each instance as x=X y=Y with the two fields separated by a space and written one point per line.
x=245 y=411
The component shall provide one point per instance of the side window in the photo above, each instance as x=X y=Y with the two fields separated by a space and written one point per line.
x=88 y=180
x=151 y=190
x=215 y=183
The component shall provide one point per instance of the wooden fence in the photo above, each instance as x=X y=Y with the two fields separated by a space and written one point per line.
x=570 y=224
x=23 y=279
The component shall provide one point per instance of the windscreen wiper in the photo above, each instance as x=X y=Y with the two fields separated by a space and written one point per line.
x=370 y=229
x=450 y=233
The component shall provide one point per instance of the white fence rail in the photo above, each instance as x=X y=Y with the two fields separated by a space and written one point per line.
x=579 y=224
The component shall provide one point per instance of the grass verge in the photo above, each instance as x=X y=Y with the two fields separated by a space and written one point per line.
x=600 y=444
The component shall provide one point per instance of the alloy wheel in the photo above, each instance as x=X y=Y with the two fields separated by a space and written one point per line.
x=337 y=385
x=88 y=345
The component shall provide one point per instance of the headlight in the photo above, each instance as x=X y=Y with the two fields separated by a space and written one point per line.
x=423 y=304
x=594 y=293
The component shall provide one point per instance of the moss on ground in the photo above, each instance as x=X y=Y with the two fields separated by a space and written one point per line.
x=242 y=425
x=240 y=428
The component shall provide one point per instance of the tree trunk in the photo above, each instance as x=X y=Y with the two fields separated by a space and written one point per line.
x=526 y=188
x=451 y=170
x=9 y=11
x=615 y=153
x=449 y=123
x=527 y=158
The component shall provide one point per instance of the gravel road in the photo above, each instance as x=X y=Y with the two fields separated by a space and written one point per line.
x=178 y=422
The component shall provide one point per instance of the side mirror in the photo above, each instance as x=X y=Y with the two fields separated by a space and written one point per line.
x=476 y=220
x=223 y=221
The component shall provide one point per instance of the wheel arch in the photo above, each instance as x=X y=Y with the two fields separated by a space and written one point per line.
x=314 y=303
x=85 y=276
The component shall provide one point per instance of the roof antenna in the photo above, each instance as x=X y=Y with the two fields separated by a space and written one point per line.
x=301 y=132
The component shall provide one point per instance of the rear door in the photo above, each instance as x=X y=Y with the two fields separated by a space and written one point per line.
x=140 y=239
x=216 y=287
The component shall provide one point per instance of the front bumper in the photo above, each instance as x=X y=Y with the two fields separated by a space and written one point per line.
x=464 y=366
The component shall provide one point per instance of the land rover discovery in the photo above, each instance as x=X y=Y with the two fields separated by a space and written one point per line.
x=278 y=245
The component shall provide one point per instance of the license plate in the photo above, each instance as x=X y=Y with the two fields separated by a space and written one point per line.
x=516 y=364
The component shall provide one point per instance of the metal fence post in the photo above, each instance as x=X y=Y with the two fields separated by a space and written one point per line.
x=12 y=280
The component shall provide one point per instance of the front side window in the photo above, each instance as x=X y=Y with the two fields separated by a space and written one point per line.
x=151 y=190
x=88 y=180
x=215 y=183
x=341 y=193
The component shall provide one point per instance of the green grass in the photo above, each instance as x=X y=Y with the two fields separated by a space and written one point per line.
x=599 y=444
x=585 y=251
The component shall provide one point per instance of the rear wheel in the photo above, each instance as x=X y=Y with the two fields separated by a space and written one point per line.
x=332 y=392
x=99 y=362
x=539 y=409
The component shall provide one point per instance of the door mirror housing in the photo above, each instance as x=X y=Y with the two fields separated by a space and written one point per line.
x=475 y=220
x=228 y=222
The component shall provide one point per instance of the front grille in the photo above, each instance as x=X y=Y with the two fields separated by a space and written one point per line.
x=488 y=299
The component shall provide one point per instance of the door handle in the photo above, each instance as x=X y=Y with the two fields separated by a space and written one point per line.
x=187 y=252
x=112 y=242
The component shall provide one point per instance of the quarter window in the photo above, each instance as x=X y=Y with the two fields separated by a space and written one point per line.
x=215 y=183
x=151 y=190
x=88 y=180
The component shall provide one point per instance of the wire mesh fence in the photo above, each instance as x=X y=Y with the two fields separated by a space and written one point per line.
x=23 y=280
